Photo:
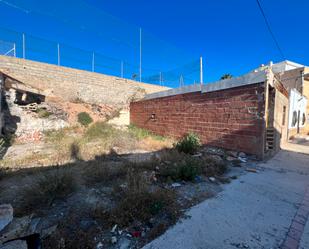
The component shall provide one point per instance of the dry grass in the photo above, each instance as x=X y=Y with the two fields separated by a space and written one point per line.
x=100 y=172
x=45 y=189
x=27 y=161
x=142 y=206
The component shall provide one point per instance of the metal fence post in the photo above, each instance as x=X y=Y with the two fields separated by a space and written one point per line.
x=121 y=69
x=14 y=49
x=92 y=62
x=24 y=46
x=58 y=48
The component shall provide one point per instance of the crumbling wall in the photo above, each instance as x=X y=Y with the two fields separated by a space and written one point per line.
x=70 y=84
x=231 y=118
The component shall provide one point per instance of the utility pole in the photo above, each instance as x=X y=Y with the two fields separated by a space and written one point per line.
x=24 y=49
x=140 y=54
x=201 y=70
x=92 y=61
x=58 y=48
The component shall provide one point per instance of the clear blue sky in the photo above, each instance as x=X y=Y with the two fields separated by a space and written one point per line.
x=230 y=35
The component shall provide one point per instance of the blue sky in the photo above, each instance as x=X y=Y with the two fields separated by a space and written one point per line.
x=230 y=35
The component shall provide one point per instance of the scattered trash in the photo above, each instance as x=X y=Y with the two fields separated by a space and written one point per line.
x=231 y=159
x=232 y=153
x=198 y=179
x=129 y=235
x=136 y=234
x=242 y=159
x=114 y=228
x=242 y=154
x=197 y=155
x=176 y=185
x=124 y=243
x=223 y=179
x=212 y=179
x=114 y=239
x=99 y=245
x=251 y=170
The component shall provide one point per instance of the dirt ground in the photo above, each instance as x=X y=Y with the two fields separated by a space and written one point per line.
x=100 y=187
x=254 y=211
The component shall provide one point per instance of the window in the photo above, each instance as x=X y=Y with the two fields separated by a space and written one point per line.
x=283 y=115
x=294 y=119
x=303 y=121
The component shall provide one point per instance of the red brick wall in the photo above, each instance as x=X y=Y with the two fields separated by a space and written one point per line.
x=231 y=119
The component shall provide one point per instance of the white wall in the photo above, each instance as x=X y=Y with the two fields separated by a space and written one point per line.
x=297 y=103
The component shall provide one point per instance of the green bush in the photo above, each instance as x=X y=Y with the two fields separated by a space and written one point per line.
x=185 y=170
x=84 y=118
x=188 y=170
x=188 y=144
x=43 y=113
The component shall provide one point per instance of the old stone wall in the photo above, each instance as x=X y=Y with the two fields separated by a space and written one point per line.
x=69 y=84
x=1 y=103
x=231 y=118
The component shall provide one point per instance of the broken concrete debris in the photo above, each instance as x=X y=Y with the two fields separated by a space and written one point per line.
x=114 y=239
x=15 y=244
x=18 y=232
x=6 y=215
x=252 y=170
x=114 y=228
x=212 y=179
x=176 y=185
x=99 y=245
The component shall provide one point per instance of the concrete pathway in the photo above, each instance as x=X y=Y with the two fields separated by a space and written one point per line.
x=258 y=210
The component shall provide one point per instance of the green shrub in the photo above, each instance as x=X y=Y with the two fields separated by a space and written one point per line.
x=100 y=130
x=188 y=170
x=84 y=118
x=43 y=113
x=188 y=144
x=185 y=170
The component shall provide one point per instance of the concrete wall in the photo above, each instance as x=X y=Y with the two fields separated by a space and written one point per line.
x=69 y=84
x=306 y=94
x=292 y=79
x=1 y=102
x=231 y=118
x=281 y=118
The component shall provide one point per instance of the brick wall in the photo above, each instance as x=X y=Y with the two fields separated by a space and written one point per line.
x=231 y=119
x=69 y=83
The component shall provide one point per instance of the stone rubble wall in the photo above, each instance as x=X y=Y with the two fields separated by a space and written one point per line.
x=71 y=84
x=1 y=102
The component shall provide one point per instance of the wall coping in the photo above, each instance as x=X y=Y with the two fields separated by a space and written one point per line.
x=247 y=79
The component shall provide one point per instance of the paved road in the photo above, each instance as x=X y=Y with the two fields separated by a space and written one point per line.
x=254 y=211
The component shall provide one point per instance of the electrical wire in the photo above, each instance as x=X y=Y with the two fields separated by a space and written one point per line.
x=270 y=30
